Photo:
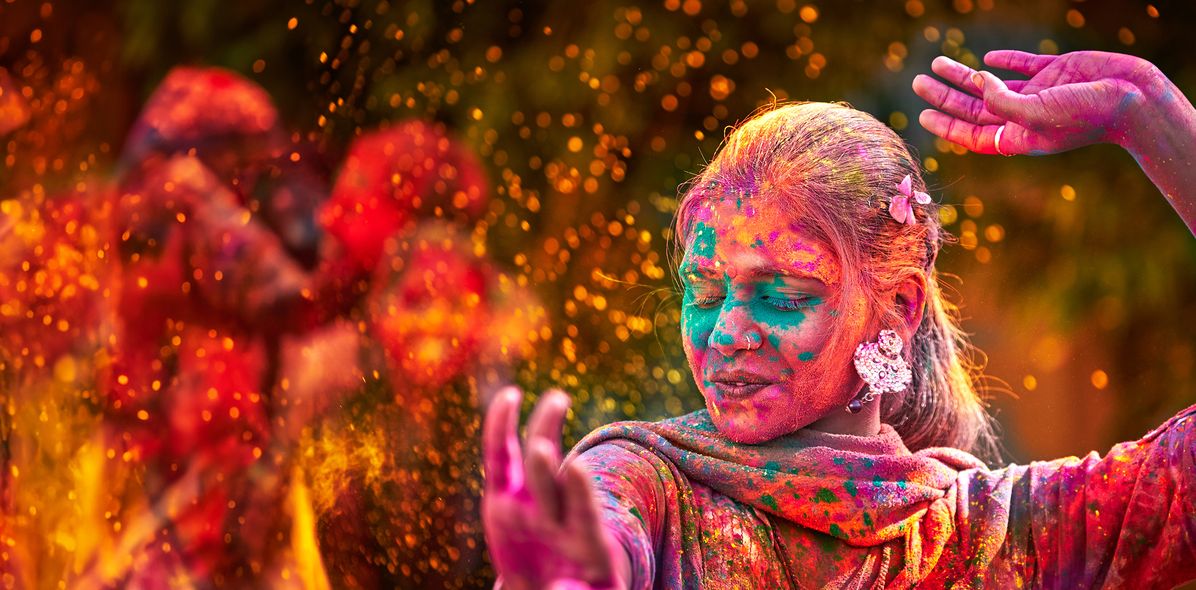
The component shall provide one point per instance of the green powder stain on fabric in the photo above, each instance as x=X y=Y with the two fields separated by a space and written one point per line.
x=636 y=513
x=829 y=545
x=825 y=495
x=769 y=501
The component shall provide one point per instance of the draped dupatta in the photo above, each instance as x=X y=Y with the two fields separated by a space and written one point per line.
x=863 y=491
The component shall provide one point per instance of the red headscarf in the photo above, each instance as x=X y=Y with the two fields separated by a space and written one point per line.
x=393 y=175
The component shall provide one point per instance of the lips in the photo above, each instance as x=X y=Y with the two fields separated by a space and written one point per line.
x=740 y=378
x=740 y=383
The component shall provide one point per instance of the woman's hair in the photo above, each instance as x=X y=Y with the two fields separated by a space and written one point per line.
x=835 y=168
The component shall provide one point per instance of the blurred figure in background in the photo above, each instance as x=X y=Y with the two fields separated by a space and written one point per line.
x=442 y=323
x=209 y=296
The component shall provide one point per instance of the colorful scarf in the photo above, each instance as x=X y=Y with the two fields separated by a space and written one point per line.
x=882 y=516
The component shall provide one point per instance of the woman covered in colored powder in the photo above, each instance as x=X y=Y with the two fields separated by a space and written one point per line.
x=843 y=436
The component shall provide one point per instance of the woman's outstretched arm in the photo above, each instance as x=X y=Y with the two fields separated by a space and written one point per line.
x=542 y=521
x=1125 y=520
x=1070 y=101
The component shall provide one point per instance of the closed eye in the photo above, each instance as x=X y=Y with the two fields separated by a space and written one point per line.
x=788 y=304
x=707 y=302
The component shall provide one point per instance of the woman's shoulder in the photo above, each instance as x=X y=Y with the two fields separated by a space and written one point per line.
x=957 y=459
x=647 y=431
x=698 y=421
x=642 y=442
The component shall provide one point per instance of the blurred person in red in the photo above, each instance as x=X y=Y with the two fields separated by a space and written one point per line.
x=212 y=113
x=443 y=326
x=389 y=180
x=213 y=221
x=395 y=476
x=190 y=380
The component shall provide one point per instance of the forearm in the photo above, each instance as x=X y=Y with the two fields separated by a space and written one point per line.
x=1126 y=519
x=1162 y=138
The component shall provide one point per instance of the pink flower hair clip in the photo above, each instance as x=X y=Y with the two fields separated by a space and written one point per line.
x=900 y=207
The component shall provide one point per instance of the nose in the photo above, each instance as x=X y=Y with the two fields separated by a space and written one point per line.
x=735 y=330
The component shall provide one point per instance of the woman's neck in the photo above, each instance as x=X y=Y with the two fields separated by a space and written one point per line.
x=864 y=423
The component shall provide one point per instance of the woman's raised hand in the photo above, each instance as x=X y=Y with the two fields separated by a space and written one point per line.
x=1069 y=101
x=542 y=522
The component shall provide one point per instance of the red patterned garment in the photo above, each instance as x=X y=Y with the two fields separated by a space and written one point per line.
x=815 y=510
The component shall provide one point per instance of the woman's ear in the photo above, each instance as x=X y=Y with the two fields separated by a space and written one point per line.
x=911 y=302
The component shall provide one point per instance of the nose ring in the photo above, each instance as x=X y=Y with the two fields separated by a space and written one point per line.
x=753 y=339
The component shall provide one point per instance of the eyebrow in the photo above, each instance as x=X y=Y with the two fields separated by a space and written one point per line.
x=767 y=270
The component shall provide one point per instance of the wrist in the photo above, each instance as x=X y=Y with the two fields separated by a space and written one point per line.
x=1160 y=121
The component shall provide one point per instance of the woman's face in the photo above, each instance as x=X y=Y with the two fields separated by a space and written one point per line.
x=755 y=316
x=430 y=316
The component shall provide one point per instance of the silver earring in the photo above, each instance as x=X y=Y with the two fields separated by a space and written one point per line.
x=881 y=366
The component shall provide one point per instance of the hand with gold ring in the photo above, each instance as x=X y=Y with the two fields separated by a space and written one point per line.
x=997 y=141
x=1069 y=101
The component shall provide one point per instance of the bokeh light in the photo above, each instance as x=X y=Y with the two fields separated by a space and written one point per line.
x=262 y=264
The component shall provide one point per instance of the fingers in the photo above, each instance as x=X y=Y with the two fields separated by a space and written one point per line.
x=544 y=451
x=548 y=419
x=544 y=448
x=954 y=102
x=976 y=138
x=955 y=73
x=500 y=442
x=543 y=463
x=961 y=76
x=1024 y=109
x=1018 y=61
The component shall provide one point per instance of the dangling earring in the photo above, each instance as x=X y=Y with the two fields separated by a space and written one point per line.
x=881 y=366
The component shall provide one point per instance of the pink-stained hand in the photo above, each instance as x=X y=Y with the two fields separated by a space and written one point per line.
x=1069 y=101
x=542 y=522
